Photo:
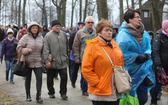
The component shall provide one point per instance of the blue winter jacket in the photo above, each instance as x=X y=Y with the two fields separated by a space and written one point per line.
x=131 y=49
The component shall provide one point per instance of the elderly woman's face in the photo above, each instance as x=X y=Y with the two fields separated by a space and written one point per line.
x=106 y=33
x=34 y=30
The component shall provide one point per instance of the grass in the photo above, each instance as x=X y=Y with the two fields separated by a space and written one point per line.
x=5 y=99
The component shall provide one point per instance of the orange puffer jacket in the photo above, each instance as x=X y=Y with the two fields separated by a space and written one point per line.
x=96 y=67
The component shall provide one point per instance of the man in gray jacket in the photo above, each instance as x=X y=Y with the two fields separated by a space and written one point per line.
x=55 y=58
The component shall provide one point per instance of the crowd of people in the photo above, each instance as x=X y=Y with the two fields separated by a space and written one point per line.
x=88 y=49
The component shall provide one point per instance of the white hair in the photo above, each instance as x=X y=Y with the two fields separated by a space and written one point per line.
x=89 y=17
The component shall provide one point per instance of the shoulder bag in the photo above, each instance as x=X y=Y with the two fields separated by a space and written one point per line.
x=122 y=79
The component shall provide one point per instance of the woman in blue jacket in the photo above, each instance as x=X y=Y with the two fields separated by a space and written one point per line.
x=135 y=44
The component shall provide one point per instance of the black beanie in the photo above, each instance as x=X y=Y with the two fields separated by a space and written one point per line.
x=55 y=22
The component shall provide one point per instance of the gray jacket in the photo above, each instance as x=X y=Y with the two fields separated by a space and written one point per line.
x=34 y=59
x=55 y=44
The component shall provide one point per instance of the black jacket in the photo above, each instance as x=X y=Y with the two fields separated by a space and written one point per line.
x=71 y=39
x=160 y=50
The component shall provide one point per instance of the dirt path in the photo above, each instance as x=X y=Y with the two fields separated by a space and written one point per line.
x=17 y=92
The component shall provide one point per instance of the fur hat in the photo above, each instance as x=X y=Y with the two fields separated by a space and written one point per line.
x=165 y=24
x=10 y=31
x=55 y=22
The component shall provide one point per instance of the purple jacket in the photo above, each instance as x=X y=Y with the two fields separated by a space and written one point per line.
x=9 y=49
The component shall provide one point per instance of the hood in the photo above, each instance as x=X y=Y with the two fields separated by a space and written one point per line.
x=10 y=30
x=34 y=24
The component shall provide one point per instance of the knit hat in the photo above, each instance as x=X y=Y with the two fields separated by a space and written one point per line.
x=10 y=31
x=55 y=22
x=164 y=24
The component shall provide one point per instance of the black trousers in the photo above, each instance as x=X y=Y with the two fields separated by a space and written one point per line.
x=105 y=102
x=38 y=75
x=50 y=81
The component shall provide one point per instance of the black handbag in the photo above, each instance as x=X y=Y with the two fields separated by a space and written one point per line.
x=44 y=69
x=147 y=82
x=20 y=68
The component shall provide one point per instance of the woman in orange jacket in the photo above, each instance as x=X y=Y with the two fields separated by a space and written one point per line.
x=96 y=66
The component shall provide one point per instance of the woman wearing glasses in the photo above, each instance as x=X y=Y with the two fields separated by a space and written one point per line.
x=135 y=44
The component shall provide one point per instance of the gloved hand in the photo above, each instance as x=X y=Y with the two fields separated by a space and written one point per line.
x=141 y=58
x=158 y=68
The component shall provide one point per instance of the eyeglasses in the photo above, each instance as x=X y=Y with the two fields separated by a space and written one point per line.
x=137 y=17
x=90 y=22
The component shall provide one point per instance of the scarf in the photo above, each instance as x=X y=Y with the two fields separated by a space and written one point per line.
x=136 y=32
x=164 y=32
x=10 y=39
x=108 y=42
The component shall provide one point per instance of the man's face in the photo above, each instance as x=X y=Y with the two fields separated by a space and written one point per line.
x=81 y=26
x=89 y=23
x=136 y=21
x=56 y=28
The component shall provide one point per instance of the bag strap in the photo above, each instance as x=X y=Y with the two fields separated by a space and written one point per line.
x=108 y=56
x=19 y=57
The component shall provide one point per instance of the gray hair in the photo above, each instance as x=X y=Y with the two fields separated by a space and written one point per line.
x=89 y=17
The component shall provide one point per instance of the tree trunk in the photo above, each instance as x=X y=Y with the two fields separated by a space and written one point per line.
x=85 y=10
x=24 y=12
x=102 y=9
x=19 y=13
x=45 y=13
x=132 y=2
x=156 y=20
x=63 y=12
x=140 y=7
x=127 y=4
x=80 y=10
x=12 y=11
x=121 y=11
x=72 y=11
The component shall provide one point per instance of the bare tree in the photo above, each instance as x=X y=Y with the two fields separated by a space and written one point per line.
x=72 y=11
x=42 y=6
x=19 y=15
x=80 y=10
x=156 y=20
x=61 y=10
x=85 y=10
x=102 y=9
x=127 y=4
x=121 y=11
x=140 y=6
x=24 y=12
x=12 y=11
x=132 y=2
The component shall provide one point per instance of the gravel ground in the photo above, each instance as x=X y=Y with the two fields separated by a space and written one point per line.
x=17 y=92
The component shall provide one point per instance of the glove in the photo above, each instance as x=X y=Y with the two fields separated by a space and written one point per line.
x=158 y=68
x=141 y=58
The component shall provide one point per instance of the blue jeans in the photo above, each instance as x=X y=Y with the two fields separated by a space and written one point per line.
x=84 y=85
x=142 y=93
x=8 y=64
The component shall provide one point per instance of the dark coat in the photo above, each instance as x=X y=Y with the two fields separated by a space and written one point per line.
x=160 y=50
